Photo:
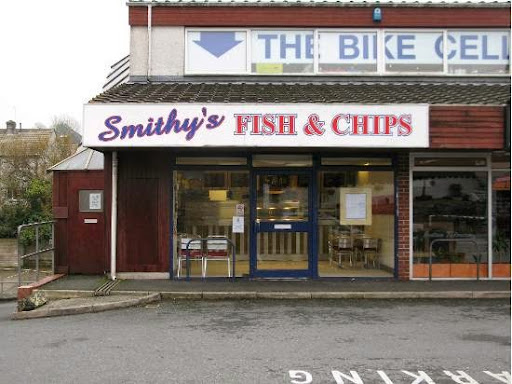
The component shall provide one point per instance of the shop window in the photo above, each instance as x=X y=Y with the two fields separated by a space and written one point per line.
x=90 y=200
x=501 y=223
x=450 y=224
x=206 y=203
x=356 y=219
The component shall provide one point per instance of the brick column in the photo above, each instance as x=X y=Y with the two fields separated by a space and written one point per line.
x=403 y=216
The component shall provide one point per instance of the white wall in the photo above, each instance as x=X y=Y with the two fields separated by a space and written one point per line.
x=167 y=51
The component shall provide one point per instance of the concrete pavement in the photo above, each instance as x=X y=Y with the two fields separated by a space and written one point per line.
x=75 y=294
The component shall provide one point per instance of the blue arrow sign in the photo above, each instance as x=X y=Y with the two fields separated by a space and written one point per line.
x=217 y=43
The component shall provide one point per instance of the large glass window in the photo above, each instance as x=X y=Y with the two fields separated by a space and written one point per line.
x=501 y=223
x=282 y=198
x=450 y=224
x=205 y=204
x=356 y=223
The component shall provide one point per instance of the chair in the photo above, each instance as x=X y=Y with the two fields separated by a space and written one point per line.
x=370 y=246
x=217 y=249
x=341 y=245
x=195 y=251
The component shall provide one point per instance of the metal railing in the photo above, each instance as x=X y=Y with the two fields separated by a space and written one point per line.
x=22 y=257
x=204 y=245
x=478 y=257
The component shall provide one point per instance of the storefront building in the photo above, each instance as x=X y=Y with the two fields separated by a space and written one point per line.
x=332 y=139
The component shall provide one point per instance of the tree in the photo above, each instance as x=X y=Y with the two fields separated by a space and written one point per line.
x=24 y=160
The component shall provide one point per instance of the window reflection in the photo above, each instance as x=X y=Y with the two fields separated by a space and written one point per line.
x=501 y=223
x=356 y=250
x=450 y=218
x=205 y=203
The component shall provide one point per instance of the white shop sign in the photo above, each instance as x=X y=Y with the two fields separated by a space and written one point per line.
x=267 y=51
x=258 y=125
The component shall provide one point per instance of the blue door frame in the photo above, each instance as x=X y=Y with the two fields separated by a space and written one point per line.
x=308 y=227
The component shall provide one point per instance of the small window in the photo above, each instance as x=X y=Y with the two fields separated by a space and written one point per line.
x=450 y=162
x=282 y=52
x=282 y=161
x=211 y=161
x=356 y=161
x=501 y=161
x=90 y=200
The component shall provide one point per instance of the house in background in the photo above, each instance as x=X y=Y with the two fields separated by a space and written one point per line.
x=23 y=154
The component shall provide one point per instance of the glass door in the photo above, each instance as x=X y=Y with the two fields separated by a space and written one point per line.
x=281 y=212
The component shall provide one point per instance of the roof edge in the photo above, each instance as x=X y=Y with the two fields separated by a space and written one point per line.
x=334 y=3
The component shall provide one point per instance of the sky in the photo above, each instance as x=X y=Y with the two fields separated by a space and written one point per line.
x=55 y=56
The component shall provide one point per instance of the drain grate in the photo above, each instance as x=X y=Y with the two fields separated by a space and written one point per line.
x=106 y=288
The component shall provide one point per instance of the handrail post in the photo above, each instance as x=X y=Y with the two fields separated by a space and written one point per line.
x=37 y=251
x=19 y=256
x=53 y=246
x=430 y=260
x=234 y=261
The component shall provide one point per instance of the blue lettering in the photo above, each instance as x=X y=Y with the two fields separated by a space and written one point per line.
x=348 y=47
x=285 y=46
x=171 y=121
x=365 y=47
x=309 y=46
x=464 y=47
x=112 y=132
x=439 y=47
x=401 y=46
x=504 y=47
x=386 y=50
x=131 y=131
x=149 y=128
x=375 y=46
x=268 y=40
x=214 y=121
x=485 y=53
x=158 y=126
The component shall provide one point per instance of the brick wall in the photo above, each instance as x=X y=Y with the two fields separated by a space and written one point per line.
x=403 y=216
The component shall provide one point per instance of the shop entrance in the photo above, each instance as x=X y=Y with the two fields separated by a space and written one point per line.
x=282 y=230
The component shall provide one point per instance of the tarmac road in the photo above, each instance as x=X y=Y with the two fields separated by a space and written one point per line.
x=318 y=341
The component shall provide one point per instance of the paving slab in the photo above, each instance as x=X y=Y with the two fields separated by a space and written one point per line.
x=248 y=285
x=80 y=305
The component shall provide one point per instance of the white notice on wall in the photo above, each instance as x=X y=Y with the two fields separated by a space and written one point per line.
x=355 y=204
x=95 y=201
x=238 y=224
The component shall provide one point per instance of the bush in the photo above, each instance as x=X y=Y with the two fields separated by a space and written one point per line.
x=34 y=206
